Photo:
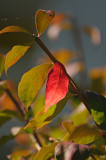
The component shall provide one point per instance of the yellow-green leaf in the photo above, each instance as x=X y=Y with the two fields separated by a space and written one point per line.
x=43 y=19
x=38 y=104
x=31 y=82
x=69 y=126
x=46 y=152
x=80 y=115
x=14 y=29
x=83 y=134
x=42 y=118
x=14 y=55
x=2 y=61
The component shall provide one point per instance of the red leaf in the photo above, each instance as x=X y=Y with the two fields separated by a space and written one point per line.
x=56 y=86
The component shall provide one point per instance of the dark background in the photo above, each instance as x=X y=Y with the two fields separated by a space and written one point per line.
x=21 y=13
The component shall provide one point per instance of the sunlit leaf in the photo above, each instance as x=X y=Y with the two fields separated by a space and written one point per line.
x=6 y=115
x=42 y=118
x=72 y=151
x=56 y=86
x=38 y=104
x=2 y=62
x=97 y=106
x=83 y=134
x=43 y=19
x=46 y=152
x=62 y=55
x=94 y=33
x=31 y=83
x=14 y=29
x=14 y=55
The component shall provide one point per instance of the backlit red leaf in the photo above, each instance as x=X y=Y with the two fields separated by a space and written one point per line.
x=56 y=86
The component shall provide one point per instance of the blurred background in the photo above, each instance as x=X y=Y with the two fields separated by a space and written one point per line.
x=22 y=13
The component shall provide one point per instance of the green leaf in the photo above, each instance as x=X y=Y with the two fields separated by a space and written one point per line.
x=31 y=82
x=46 y=152
x=38 y=104
x=42 y=20
x=14 y=29
x=14 y=55
x=42 y=118
x=97 y=107
x=83 y=134
x=5 y=139
x=80 y=115
x=2 y=61
x=6 y=115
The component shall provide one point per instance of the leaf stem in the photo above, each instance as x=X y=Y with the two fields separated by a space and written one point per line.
x=22 y=111
x=45 y=49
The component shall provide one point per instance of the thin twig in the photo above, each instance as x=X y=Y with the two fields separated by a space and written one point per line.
x=45 y=49
x=22 y=111
x=92 y=156
x=19 y=107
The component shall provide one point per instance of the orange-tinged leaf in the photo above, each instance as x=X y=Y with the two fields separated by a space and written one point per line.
x=14 y=55
x=31 y=82
x=62 y=55
x=56 y=86
x=59 y=18
x=94 y=33
x=14 y=29
x=5 y=100
x=43 y=19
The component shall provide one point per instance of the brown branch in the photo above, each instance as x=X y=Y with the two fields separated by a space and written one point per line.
x=22 y=111
x=19 y=107
x=45 y=49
